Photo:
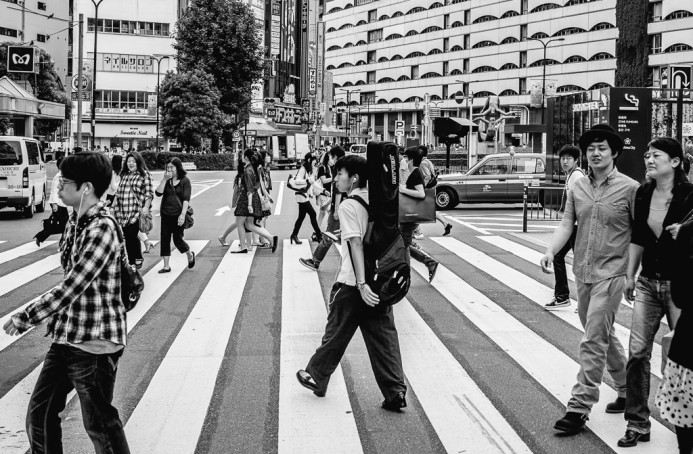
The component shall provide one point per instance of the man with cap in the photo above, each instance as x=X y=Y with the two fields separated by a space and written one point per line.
x=603 y=206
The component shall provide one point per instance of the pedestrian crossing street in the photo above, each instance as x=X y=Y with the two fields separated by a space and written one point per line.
x=212 y=355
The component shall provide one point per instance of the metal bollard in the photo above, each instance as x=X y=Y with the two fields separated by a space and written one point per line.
x=524 y=207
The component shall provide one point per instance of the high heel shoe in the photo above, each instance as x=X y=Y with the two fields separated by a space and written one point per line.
x=294 y=239
x=275 y=242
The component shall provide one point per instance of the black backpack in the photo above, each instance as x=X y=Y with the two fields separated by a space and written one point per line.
x=388 y=273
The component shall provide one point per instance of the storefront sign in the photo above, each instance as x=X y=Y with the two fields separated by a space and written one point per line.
x=22 y=59
x=288 y=115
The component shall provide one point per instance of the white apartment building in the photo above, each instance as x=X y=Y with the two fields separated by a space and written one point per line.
x=394 y=52
x=671 y=35
x=130 y=34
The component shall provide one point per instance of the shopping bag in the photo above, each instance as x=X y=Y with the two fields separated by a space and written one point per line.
x=419 y=211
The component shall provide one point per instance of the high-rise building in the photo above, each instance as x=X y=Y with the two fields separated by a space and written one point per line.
x=670 y=31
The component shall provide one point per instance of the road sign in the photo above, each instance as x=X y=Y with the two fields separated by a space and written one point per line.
x=399 y=125
x=459 y=97
x=412 y=134
x=434 y=112
x=414 y=127
x=271 y=112
x=399 y=132
x=680 y=78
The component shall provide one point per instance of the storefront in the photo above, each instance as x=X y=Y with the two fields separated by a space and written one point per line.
x=125 y=136
x=22 y=108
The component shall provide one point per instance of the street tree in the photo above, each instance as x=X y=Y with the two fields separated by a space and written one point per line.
x=633 y=44
x=190 y=107
x=222 y=38
x=47 y=86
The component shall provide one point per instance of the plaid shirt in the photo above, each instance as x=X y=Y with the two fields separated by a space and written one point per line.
x=133 y=192
x=86 y=305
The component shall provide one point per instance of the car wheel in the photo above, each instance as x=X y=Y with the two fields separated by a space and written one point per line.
x=41 y=207
x=30 y=209
x=446 y=199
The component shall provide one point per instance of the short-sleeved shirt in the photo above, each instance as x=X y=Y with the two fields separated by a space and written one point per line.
x=428 y=170
x=403 y=169
x=353 y=218
x=415 y=178
x=174 y=196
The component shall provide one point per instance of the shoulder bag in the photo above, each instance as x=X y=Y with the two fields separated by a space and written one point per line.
x=189 y=221
x=419 y=211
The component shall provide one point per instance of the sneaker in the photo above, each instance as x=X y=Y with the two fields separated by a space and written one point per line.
x=418 y=236
x=335 y=236
x=396 y=403
x=617 y=406
x=557 y=303
x=572 y=423
x=309 y=263
x=448 y=227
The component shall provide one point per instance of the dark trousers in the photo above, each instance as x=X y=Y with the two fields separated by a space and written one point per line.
x=303 y=209
x=170 y=228
x=416 y=252
x=93 y=377
x=326 y=242
x=561 y=290
x=684 y=435
x=132 y=243
x=346 y=313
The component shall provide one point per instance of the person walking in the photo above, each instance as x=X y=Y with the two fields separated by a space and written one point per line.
x=238 y=221
x=414 y=187
x=333 y=233
x=174 y=190
x=602 y=205
x=569 y=156
x=325 y=179
x=264 y=161
x=87 y=319
x=305 y=177
x=133 y=199
x=249 y=205
x=354 y=305
x=664 y=200
x=58 y=219
x=428 y=171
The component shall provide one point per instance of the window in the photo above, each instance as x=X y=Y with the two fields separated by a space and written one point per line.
x=393 y=36
x=32 y=151
x=483 y=44
x=545 y=7
x=465 y=65
x=510 y=40
x=418 y=9
x=129 y=27
x=525 y=6
x=446 y=44
x=527 y=165
x=523 y=32
x=457 y=24
x=523 y=59
x=375 y=35
x=523 y=85
x=415 y=72
x=41 y=38
x=483 y=69
x=601 y=26
x=446 y=68
x=467 y=40
x=42 y=6
x=373 y=15
x=494 y=167
x=467 y=16
x=508 y=92
x=370 y=56
x=446 y=21
x=539 y=35
x=569 y=31
x=370 y=77
x=430 y=75
x=482 y=19
x=680 y=47
x=445 y=91
x=415 y=54
x=8 y=32
x=508 y=66
x=435 y=52
x=10 y=153
x=368 y=97
x=656 y=43
x=574 y=59
x=601 y=56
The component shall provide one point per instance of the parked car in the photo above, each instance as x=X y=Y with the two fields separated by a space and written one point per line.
x=358 y=149
x=22 y=175
x=498 y=178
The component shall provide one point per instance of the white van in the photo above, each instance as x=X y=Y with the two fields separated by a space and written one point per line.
x=22 y=175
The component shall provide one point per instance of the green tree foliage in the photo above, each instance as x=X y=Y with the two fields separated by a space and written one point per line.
x=190 y=107
x=633 y=45
x=221 y=37
x=49 y=88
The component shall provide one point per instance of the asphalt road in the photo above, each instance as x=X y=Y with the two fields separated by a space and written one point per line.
x=210 y=359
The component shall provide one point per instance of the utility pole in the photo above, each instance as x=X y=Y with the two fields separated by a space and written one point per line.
x=158 y=74
x=543 y=74
x=349 y=92
x=80 y=63
x=96 y=3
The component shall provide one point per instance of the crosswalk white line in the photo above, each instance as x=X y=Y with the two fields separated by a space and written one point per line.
x=533 y=290
x=466 y=224
x=3 y=241
x=13 y=405
x=516 y=226
x=22 y=250
x=308 y=423
x=448 y=395
x=553 y=369
x=170 y=415
x=280 y=199
x=25 y=275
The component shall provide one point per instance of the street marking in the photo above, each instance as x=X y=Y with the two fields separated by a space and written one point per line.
x=519 y=226
x=25 y=275
x=308 y=423
x=448 y=395
x=454 y=219
x=206 y=188
x=550 y=367
x=280 y=199
x=24 y=249
x=170 y=415
x=222 y=210
x=13 y=405
x=534 y=291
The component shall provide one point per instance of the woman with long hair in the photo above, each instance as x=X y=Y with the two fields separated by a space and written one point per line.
x=249 y=200
x=238 y=221
x=175 y=190
x=325 y=178
x=264 y=160
x=305 y=177
x=133 y=198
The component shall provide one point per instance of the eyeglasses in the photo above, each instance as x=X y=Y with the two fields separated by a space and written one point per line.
x=62 y=182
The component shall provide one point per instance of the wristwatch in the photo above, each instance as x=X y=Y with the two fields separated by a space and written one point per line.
x=360 y=285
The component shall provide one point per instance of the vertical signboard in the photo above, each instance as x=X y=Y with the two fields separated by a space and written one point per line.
x=630 y=116
x=321 y=60
x=275 y=27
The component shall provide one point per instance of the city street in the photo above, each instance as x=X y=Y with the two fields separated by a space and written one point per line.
x=213 y=351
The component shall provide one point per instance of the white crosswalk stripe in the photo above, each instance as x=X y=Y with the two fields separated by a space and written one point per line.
x=171 y=413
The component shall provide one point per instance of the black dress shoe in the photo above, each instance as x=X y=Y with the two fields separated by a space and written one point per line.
x=617 y=406
x=572 y=423
x=432 y=272
x=396 y=403
x=307 y=381
x=191 y=262
x=631 y=438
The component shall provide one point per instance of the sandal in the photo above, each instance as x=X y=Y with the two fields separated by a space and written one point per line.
x=138 y=263
x=164 y=270
x=222 y=241
x=147 y=246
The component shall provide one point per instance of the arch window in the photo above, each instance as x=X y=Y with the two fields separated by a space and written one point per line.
x=398 y=14
x=393 y=36
x=456 y=72
x=569 y=31
x=601 y=56
x=431 y=29
x=360 y=82
x=435 y=52
x=347 y=45
x=412 y=33
x=487 y=18
x=415 y=54
x=678 y=15
x=386 y=80
x=680 y=47
x=457 y=24
x=334 y=10
x=575 y=59
x=510 y=40
x=383 y=17
x=348 y=5
x=602 y=26
x=403 y=77
x=435 y=98
x=484 y=94
x=547 y=62
x=361 y=22
x=483 y=44
x=360 y=63
x=545 y=7
x=599 y=85
x=345 y=65
x=577 y=2
x=341 y=104
x=418 y=9
x=436 y=5
x=430 y=75
x=360 y=43
x=383 y=60
x=354 y=103
x=331 y=29
x=483 y=69
x=330 y=67
x=509 y=14
x=508 y=92
x=396 y=57
x=395 y=100
x=348 y=84
x=345 y=26
x=333 y=48
x=540 y=35
x=569 y=88
x=382 y=101
x=508 y=66
x=456 y=48
x=336 y=85
x=454 y=2
x=412 y=99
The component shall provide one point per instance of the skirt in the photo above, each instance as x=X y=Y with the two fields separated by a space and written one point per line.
x=675 y=395
x=242 y=205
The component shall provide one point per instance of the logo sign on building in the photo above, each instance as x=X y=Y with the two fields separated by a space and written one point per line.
x=86 y=83
x=459 y=97
x=271 y=112
x=151 y=104
x=304 y=16
x=288 y=115
x=434 y=112
x=22 y=59
x=275 y=27
x=312 y=87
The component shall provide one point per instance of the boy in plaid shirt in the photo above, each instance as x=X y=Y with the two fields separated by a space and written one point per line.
x=87 y=317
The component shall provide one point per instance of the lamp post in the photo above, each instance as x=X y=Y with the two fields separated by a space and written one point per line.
x=96 y=3
x=349 y=92
x=158 y=74
x=543 y=75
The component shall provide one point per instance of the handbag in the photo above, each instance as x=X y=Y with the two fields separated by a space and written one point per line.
x=146 y=222
x=682 y=263
x=418 y=211
x=236 y=194
x=301 y=188
x=189 y=221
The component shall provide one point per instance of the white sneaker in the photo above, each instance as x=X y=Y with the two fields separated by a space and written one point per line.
x=557 y=304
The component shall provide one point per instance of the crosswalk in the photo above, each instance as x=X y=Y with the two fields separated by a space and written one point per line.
x=171 y=381
x=499 y=222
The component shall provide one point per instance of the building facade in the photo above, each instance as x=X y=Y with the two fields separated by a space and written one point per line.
x=670 y=31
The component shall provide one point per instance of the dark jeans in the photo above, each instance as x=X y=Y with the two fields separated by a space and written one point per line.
x=416 y=252
x=93 y=377
x=303 y=209
x=684 y=435
x=326 y=242
x=132 y=243
x=347 y=312
x=561 y=290
x=652 y=302
x=170 y=227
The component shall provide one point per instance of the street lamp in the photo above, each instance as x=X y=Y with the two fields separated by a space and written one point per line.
x=543 y=75
x=96 y=3
x=349 y=92
x=158 y=74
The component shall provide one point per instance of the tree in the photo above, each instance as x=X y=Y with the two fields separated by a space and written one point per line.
x=190 y=107
x=48 y=88
x=222 y=38
x=633 y=45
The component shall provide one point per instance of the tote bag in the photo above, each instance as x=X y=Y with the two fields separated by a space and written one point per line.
x=419 y=211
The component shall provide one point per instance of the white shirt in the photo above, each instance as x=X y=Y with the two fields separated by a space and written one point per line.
x=54 y=198
x=353 y=219
x=575 y=175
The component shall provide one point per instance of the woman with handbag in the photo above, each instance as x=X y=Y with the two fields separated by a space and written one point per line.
x=428 y=171
x=133 y=199
x=325 y=178
x=57 y=221
x=237 y=220
x=175 y=190
x=305 y=178
x=250 y=203
x=263 y=169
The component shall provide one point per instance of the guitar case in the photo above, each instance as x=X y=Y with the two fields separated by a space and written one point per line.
x=383 y=184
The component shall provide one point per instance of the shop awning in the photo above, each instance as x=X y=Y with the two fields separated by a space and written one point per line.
x=262 y=130
x=16 y=101
x=331 y=131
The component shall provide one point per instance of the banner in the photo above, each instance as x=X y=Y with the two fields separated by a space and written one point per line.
x=535 y=93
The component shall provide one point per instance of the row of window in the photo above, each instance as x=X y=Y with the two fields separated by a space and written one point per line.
x=8 y=32
x=115 y=101
x=680 y=14
x=680 y=47
x=129 y=27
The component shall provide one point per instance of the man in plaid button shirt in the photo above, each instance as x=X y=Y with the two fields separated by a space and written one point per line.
x=87 y=317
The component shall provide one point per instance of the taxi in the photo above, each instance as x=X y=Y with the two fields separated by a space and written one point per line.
x=497 y=178
x=22 y=175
